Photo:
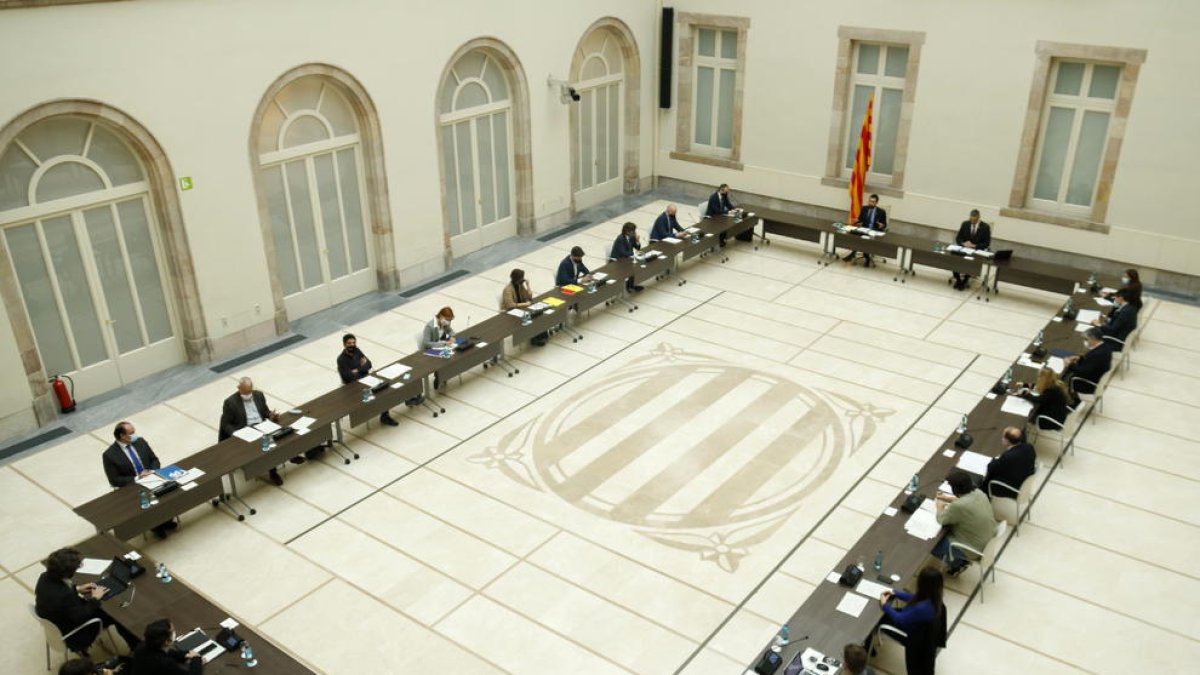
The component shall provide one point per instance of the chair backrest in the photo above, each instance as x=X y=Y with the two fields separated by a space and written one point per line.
x=993 y=546
x=702 y=209
x=54 y=638
x=1025 y=494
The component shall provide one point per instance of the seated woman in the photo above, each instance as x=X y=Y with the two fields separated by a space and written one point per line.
x=922 y=618
x=1131 y=282
x=157 y=655
x=519 y=295
x=1049 y=396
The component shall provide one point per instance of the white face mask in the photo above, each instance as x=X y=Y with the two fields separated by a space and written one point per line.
x=1124 y=281
x=134 y=438
x=247 y=397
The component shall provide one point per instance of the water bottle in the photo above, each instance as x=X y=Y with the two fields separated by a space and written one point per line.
x=248 y=655
x=446 y=351
x=1092 y=285
x=366 y=395
x=1067 y=307
x=526 y=319
x=879 y=560
x=962 y=425
x=265 y=441
x=1039 y=340
x=591 y=286
x=914 y=483
x=163 y=574
x=1008 y=375
x=144 y=499
x=784 y=636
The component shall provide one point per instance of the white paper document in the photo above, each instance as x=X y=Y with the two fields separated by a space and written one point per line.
x=187 y=486
x=1087 y=315
x=943 y=488
x=248 y=434
x=189 y=475
x=1082 y=327
x=834 y=577
x=599 y=276
x=852 y=604
x=393 y=371
x=671 y=240
x=1015 y=405
x=890 y=511
x=267 y=427
x=974 y=462
x=369 y=381
x=1056 y=364
x=949 y=452
x=1104 y=303
x=303 y=423
x=150 y=482
x=989 y=396
x=923 y=524
x=517 y=312
x=481 y=343
x=871 y=589
x=93 y=566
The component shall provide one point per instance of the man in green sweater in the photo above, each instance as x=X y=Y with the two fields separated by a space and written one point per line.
x=967 y=516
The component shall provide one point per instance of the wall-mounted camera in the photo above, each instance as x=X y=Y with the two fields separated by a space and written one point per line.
x=566 y=93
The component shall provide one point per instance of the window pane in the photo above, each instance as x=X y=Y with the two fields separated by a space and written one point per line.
x=1092 y=135
x=729 y=44
x=614 y=130
x=725 y=109
x=352 y=208
x=503 y=165
x=885 y=132
x=450 y=177
x=110 y=265
x=144 y=264
x=26 y=254
x=331 y=215
x=704 y=101
x=897 y=62
x=446 y=97
x=707 y=44
x=75 y=289
x=56 y=136
x=304 y=222
x=493 y=77
x=116 y=159
x=1054 y=153
x=268 y=130
x=66 y=180
x=1104 y=82
x=466 y=174
x=302 y=130
x=338 y=113
x=858 y=108
x=868 y=59
x=487 y=191
x=587 y=139
x=593 y=68
x=1070 y=78
x=15 y=171
x=470 y=95
x=281 y=231
x=470 y=65
x=300 y=95
x=601 y=147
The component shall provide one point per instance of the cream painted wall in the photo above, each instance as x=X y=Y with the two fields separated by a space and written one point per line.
x=972 y=91
x=193 y=71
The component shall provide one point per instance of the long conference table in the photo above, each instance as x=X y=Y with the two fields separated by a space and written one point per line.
x=119 y=513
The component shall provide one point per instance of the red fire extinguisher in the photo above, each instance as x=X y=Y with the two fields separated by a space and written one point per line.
x=66 y=397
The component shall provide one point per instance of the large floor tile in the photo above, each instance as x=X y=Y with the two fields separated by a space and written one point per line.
x=72 y=470
x=25 y=650
x=33 y=522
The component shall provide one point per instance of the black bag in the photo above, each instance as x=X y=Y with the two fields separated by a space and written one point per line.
x=913 y=503
x=850 y=576
x=768 y=663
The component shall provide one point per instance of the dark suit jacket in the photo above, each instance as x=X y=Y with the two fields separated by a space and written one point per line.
x=982 y=238
x=623 y=247
x=1052 y=403
x=1121 y=322
x=147 y=661
x=865 y=215
x=61 y=604
x=1012 y=467
x=233 y=413
x=119 y=469
x=350 y=365
x=719 y=204
x=566 y=272
x=664 y=226
x=1092 y=365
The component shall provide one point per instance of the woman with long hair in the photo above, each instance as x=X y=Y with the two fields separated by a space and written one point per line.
x=922 y=618
x=1049 y=396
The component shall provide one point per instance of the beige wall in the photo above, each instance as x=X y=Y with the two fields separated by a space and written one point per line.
x=976 y=66
x=192 y=72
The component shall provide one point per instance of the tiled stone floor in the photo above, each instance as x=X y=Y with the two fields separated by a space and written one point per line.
x=659 y=496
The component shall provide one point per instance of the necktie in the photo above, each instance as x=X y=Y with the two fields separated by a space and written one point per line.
x=871 y=218
x=973 y=229
x=133 y=457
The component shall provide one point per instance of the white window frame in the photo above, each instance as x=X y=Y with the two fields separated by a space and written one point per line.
x=718 y=64
x=878 y=81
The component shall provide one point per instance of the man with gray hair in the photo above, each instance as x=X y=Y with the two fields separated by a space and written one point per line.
x=245 y=408
x=1090 y=365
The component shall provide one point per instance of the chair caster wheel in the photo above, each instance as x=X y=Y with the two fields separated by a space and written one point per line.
x=510 y=374
x=346 y=462
x=517 y=371
x=253 y=512
x=435 y=414
x=214 y=503
x=355 y=457
x=241 y=517
x=443 y=411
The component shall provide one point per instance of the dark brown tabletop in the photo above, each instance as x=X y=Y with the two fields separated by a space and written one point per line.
x=187 y=610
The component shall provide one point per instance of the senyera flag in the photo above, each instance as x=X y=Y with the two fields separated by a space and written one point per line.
x=862 y=162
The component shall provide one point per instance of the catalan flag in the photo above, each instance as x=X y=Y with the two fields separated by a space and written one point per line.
x=862 y=162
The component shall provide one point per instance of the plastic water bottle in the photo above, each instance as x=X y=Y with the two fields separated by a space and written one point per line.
x=962 y=425
x=1008 y=375
x=1039 y=340
x=591 y=286
x=784 y=636
x=1067 y=307
x=366 y=395
x=265 y=441
x=163 y=574
x=526 y=319
x=248 y=655
x=879 y=560
x=446 y=351
x=914 y=483
x=144 y=499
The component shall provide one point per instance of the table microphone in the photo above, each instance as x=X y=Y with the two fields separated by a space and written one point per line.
x=132 y=594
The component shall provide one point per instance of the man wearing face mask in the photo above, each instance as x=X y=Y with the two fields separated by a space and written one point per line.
x=158 y=655
x=353 y=364
x=129 y=458
x=1090 y=365
x=245 y=408
x=1123 y=319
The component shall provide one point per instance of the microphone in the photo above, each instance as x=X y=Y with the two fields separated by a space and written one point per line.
x=132 y=594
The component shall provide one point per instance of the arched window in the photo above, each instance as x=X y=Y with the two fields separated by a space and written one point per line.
x=475 y=106
x=81 y=236
x=311 y=168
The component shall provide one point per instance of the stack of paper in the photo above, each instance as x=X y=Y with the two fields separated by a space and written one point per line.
x=303 y=423
x=517 y=312
x=150 y=481
x=1056 y=364
x=93 y=566
x=267 y=427
x=599 y=276
x=871 y=589
x=974 y=462
x=189 y=475
x=923 y=523
x=852 y=604
x=248 y=434
x=368 y=381
x=571 y=288
x=1087 y=315
x=1015 y=405
x=671 y=240
x=555 y=302
x=1104 y=303
x=391 y=372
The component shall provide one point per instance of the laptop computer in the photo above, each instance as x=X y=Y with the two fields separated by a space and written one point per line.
x=1003 y=254
x=117 y=580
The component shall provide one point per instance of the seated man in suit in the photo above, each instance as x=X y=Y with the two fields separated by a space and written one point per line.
x=572 y=270
x=129 y=458
x=1090 y=365
x=719 y=202
x=352 y=365
x=623 y=247
x=973 y=234
x=62 y=603
x=871 y=217
x=665 y=226
x=83 y=666
x=157 y=655
x=1121 y=321
x=1013 y=466
x=245 y=408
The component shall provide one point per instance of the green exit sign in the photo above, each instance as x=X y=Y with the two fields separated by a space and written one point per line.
x=185 y=183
